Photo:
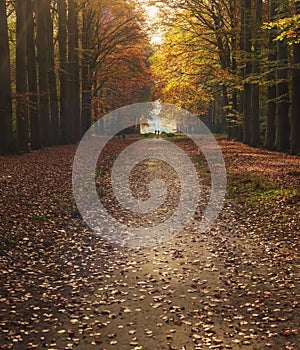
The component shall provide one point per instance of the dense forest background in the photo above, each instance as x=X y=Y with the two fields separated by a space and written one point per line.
x=66 y=63
x=236 y=62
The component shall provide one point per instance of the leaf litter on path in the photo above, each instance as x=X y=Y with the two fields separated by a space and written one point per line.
x=234 y=287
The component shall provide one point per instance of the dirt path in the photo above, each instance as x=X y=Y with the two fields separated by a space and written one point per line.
x=234 y=287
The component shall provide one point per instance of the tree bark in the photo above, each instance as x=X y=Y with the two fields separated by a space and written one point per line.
x=282 y=133
x=6 y=133
x=21 y=78
x=234 y=70
x=77 y=97
x=62 y=42
x=35 y=127
x=271 y=108
x=242 y=72
x=295 y=120
x=71 y=93
x=248 y=70
x=54 y=122
x=255 y=114
x=43 y=65
x=86 y=110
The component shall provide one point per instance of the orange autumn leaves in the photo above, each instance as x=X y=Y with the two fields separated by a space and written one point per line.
x=126 y=77
x=119 y=71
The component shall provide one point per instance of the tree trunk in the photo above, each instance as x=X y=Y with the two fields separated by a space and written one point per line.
x=77 y=105
x=71 y=96
x=35 y=127
x=242 y=72
x=282 y=114
x=271 y=109
x=62 y=42
x=21 y=78
x=282 y=134
x=43 y=64
x=54 y=123
x=295 y=120
x=248 y=70
x=234 y=69
x=255 y=115
x=86 y=79
x=6 y=133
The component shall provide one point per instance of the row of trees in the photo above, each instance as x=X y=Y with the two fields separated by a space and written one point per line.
x=238 y=61
x=64 y=63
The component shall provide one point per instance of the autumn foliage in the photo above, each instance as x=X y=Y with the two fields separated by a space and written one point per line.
x=70 y=62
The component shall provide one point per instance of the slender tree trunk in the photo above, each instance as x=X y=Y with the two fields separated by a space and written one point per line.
x=43 y=64
x=271 y=108
x=86 y=79
x=72 y=70
x=282 y=135
x=235 y=92
x=62 y=42
x=233 y=122
x=21 y=78
x=225 y=60
x=242 y=72
x=35 y=127
x=54 y=123
x=225 y=105
x=234 y=69
x=255 y=115
x=77 y=97
x=248 y=70
x=282 y=114
x=295 y=120
x=6 y=133
x=247 y=113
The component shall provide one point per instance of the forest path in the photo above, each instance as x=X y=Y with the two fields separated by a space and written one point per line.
x=234 y=287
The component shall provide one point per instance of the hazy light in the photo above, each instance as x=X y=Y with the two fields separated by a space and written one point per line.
x=152 y=17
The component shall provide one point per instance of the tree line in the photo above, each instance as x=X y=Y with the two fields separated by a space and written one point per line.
x=237 y=63
x=65 y=63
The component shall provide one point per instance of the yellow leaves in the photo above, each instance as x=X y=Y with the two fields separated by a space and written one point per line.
x=181 y=72
x=289 y=28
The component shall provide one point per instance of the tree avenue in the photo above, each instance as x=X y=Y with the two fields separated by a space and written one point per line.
x=254 y=48
x=66 y=63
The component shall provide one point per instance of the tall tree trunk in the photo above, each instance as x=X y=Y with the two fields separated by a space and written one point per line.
x=35 y=127
x=21 y=78
x=86 y=110
x=282 y=134
x=6 y=133
x=234 y=69
x=43 y=64
x=271 y=109
x=242 y=72
x=248 y=70
x=54 y=123
x=295 y=120
x=72 y=70
x=225 y=61
x=77 y=98
x=235 y=92
x=255 y=115
x=62 y=42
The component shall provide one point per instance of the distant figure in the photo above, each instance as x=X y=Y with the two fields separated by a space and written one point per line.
x=158 y=132
x=155 y=131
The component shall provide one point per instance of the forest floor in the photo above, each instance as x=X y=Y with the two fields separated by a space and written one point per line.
x=234 y=287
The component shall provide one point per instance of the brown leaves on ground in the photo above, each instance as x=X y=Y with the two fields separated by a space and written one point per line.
x=234 y=287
